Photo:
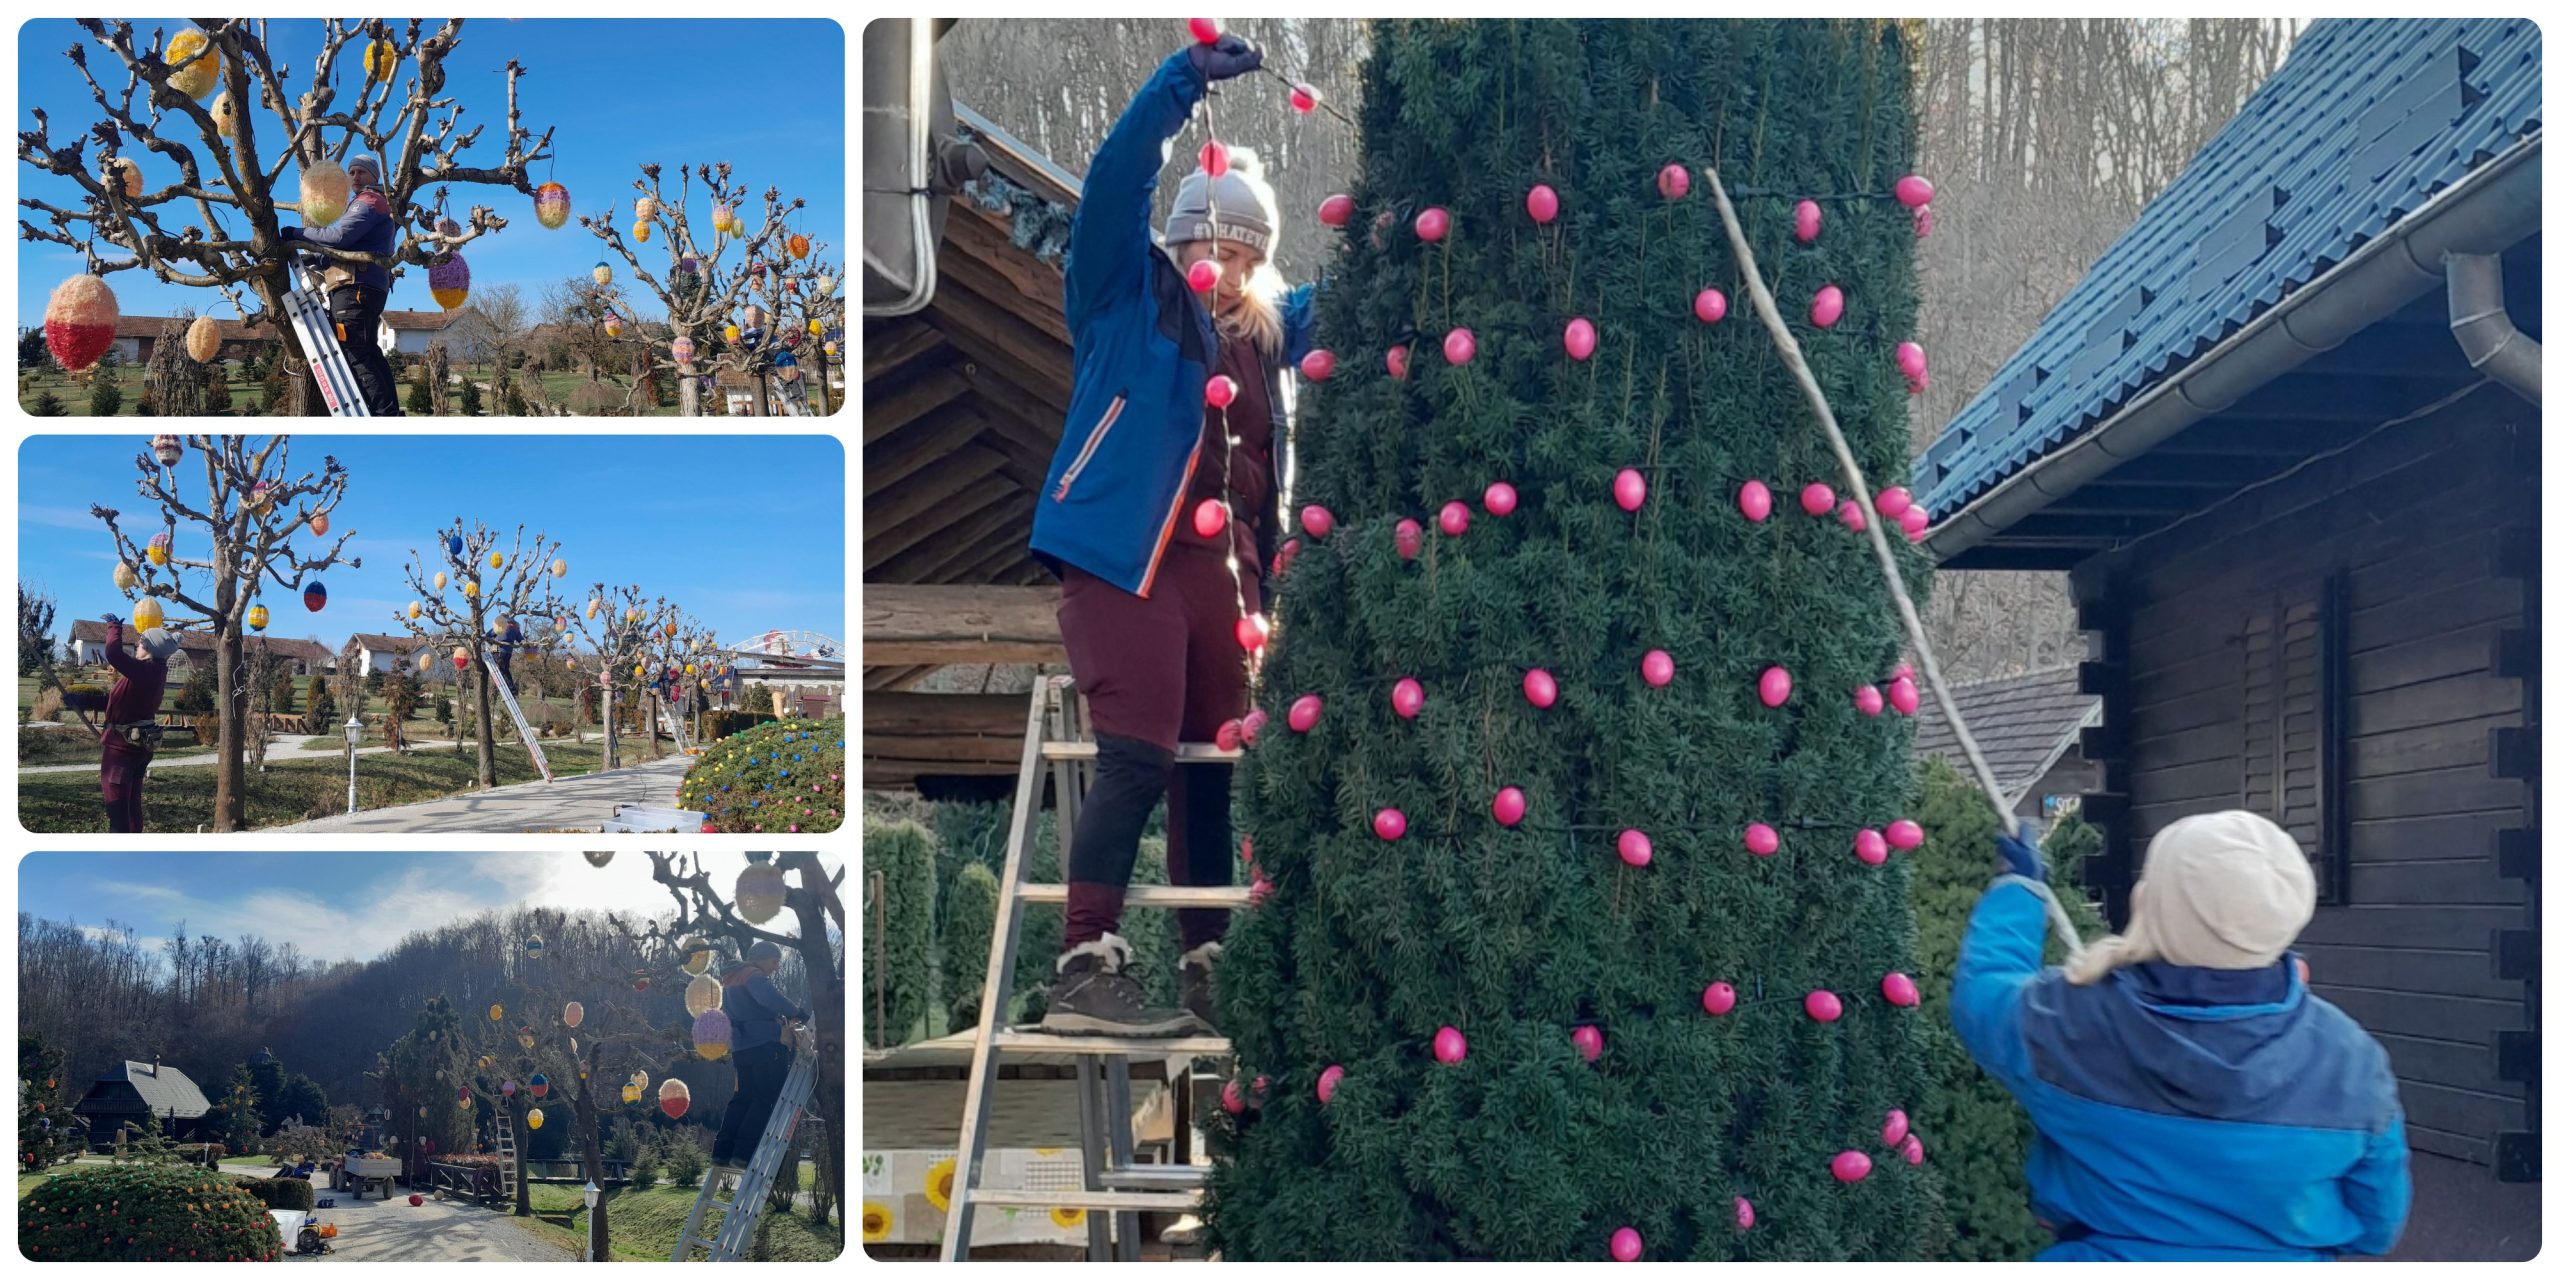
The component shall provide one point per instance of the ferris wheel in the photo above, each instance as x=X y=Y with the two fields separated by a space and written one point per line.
x=792 y=643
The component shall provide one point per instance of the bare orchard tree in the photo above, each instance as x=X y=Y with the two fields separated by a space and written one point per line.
x=613 y=627
x=700 y=295
x=502 y=308
x=251 y=507
x=785 y=297
x=492 y=583
x=232 y=164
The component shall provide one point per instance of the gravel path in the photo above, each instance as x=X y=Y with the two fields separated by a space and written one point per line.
x=393 y=1230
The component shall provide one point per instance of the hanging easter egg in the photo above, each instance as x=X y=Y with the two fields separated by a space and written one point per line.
x=1900 y=991
x=1657 y=668
x=319 y=523
x=1220 y=392
x=1454 y=519
x=471 y=589
x=168 y=449
x=148 y=615
x=497 y=1012
x=797 y=246
x=711 y=1034
x=1510 y=805
x=1407 y=697
x=1903 y=833
x=540 y=1084
x=80 y=321
x=573 y=1013
x=260 y=496
x=533 y=1118
x=1822 y=1006
x=1869 y=700
x=1580 y=338
x=450 y=282
x=1316 y=365
x=1905 y=696
x=1718 y=999
x=1408 y=538
x=1304 y=99
x=720 y=217
x=1635 y=848
x=1449 y=1045
x=1335 y=211
x=1913 y=191
x=524 y=1037
x=324 y=192
x=125 y=577
x=1539 y=688
x=1754 y=501
x=1459 y=347
x=697 y=954
x=602 y=273
x=226 y=117
x=1432 y=225
x=674 y=1098
x=1775 y=685
x=1828 y=303
x=1672 y=182
x=1542 y=204
x=682 y=350
x=380 y=58
x=497 y=560
x=413 y=608
x=257 y=617
x=1253 y=632
x=730 y=332
x=1808 y=221
x=1501 y=499
x=1760 y=838
x=121 y=171
x=1625 y=1245
x=1213 y=158
x=1915 y=521
x=1914 y=364
x=644 y=210
x=760 y=888
x=1628 y=489
x=1327 y=1081
x=157 y=550
x=315 y=596
x=195 y=66
x=1399 y=361
x=204 y=339
x=829 y=348
x=1851 y=1166
x=1871 y=848
x=551 y=205
x=1389 y=824
x=1709 y=306
x=1818 y=499
x=426 y=661
x=1854 y=517
x=507 y=1088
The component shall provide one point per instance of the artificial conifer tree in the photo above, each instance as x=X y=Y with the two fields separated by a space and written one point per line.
x=1575 y=823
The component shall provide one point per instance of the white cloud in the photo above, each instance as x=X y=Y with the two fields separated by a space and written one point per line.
x=59 y=518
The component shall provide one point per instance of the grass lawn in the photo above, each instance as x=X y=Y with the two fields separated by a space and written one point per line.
x=75 y=396
x=645 y=1225
x=181 y=800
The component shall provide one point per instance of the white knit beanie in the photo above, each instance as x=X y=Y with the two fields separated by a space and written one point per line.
x=2225 y=890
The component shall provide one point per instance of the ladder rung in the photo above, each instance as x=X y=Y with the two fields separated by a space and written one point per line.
x=1064 y=1198
x=1231 y=897
x=1156 y=1177
x=1115 y=1046
x=1186 y=753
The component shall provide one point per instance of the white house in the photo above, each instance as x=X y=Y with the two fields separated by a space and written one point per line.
x=375 y=652
x=409 y=332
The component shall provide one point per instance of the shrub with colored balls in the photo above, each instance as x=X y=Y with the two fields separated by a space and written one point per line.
x=784 y=776
x=145 y=1213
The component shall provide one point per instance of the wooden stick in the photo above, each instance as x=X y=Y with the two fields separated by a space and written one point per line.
x=1793 y=356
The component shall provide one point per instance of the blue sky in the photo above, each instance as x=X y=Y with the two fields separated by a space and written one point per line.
x=745 y=532
x=336 y=906
x=767 y=95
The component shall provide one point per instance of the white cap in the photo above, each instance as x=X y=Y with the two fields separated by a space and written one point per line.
x=2225 y=890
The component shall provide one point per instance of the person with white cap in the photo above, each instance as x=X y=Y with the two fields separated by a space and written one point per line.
x=1162 y=516
x=2192 y=1100
x=359 y=290
x=131 y=735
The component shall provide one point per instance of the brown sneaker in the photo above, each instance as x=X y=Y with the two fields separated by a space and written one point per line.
x=1199 y=998
x=1094 y=995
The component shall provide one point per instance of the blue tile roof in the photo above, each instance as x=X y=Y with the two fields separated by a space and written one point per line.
x=2364 y=121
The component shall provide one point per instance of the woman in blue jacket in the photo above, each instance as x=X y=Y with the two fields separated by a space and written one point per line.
x=2191 y=1100
x=1152 y=593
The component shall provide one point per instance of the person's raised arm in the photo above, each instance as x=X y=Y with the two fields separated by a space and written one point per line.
x=124 y=663
x=763 y=992
x=2003 y=951
x=360 y=219
x=1107 y=250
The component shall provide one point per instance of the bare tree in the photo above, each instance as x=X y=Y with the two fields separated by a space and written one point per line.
x=698 y=293
x=502 y=308
x=493 y=583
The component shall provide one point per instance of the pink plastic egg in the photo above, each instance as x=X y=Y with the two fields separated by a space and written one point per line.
x=1303 y=99
x=1459 y=347
x=1822 y=1006
x=1625 y=1245
x=1871 y=850
x=1903 y=833
x=1254 y=722
x=1203 y=275
x=1912 y=1152
x=1317 y=521
x=1510 y=806
x=1851 y=1166
x=1209 y=519
x=1905 y=697
x=1205 y=30
x=1407 y=697
x=1775 y=685
x=1389 y=824
x=1754 y=501
x=1897 y=1126
x=1501 y=499
x=1450 y=1045
x=1901 y=992
x=1672 y=182
x=1399 y=361
x=1760 y=838
x=1542 y=204
x=1587 y=1038
x=1231 y=1099
x=1629 y=489
x=1335 y=211
x=1305 y=712
x=1893 y=502
x=1710 y=305
x=1915 y=520
x=1913 y=361
x=1818 y=499
x=1657 y=668
x=1539 y=687
x=1317 y=365
x=1718 y=999
x=1252 y=632
x=1220 y=392
x=1408 y=538
x=1635 y=848
x=1327 y=1082
x=1432 y=224
x=1913 y=191
x=1453 y=518
x=1828 y=303
x=1213 y=158
x=1231 y=735
x=1580 y=338
x=1808 y=221
x=1851 y=516
x=1743 y=1216
x=1870 y=700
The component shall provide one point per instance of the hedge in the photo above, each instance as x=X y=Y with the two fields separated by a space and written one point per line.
x=1977 y=1137
x=144 y=1213
x=279 y=1193
x=968 y=930
x=899 y=930
x=787 y=776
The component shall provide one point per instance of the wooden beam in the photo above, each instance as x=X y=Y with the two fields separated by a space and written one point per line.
x=1008 y=520
x=893 y=678
x=882 y=548
x=888 y=346
x=986 y=715
x=990 y=261
x=951 y=474
x=983 y=327
x=896 y=457
x=951 y=625
x=910 y=402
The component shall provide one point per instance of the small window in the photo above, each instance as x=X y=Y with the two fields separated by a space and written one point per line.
x=2294 y=712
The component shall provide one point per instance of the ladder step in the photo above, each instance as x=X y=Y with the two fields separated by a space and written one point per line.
x=1156 y=1177
x=1114 y=1046
x=1129 y=1201
x=1187 y=753
x=1231 y=897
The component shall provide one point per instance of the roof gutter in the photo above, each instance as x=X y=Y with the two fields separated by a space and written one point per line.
x=2476 y=289
x=919 y=174
x=2489 y=209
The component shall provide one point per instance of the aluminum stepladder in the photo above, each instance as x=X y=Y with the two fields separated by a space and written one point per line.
x=515 y=711
x=507 y=1153
x=307 y=306
x=675 y=724
x=1058 y=747
x=746 y=1203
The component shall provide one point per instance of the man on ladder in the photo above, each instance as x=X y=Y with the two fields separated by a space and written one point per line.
x=758 y=1048
x=356 y=293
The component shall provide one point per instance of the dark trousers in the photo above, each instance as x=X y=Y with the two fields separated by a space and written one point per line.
x=357 y=309
x=1156 y=672
x=760 y=1074
x=121 y=769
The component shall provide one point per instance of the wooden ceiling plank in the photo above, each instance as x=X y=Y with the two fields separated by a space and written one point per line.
x=896 y=457
x=951 y=625
x=883 y=546
x=886 y=414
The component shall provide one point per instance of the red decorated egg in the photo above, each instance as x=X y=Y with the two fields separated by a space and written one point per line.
x=1754 y=501
x=1252 y=631
x=1510 y=806
x=1220 y=392
x=1580 y=338
x=1871 y=850
x=1254 y=721
x=1432 y=224
x=1315 y=520
x=1828 y=303
x=1539 y=687
x=1853 y=517
x=1893 y=502
x=1203 y=275
x=1896 y=1127
x=1921 y=222
x=1209 y=519
x=1635 y=848
x=1303 y=99
x=1743 y=1217
x=1718 y=999
x=1459 y=347
x=1213 y=158
x=1542 y=204
x=1760 y=838
x=1335 y=211
x=1915 y=521
x=1408 y=538
x=1912 y=1152
x=1914 y=364
x=1710 y=305
x=1501 y=499
x=1304 y=713
x=1629 y=489
x=1450 y=1045
x=1625 y=1245
x=1870 y=700
x=1407 y=697
x=1903 y=833
x=1587 y=1038
x=1905 y=697
x=1851 y=1166
x=1399 y=361
x=1205 y=30
x=1913 y=191
x=1901 y=992
x=1231 y=1099
x=1822 y=1006
x=1328 y=1081
x=1775 y=685
x=1389 y=824
x=1657 y=668
x=1453 y=518
x=1672 y=182
x=1316 y=365
x=1808 y=221
x=1818 y=499
x=1231 y=735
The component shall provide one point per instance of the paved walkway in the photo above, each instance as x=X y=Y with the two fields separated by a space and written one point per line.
x=393 y=1230
x=292 y=746
x=571 y=804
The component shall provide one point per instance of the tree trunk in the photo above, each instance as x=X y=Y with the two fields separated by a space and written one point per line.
x=606 y=701
x=230 y=785
x=600 y=1228
x=764 y=397
x=826 y=1003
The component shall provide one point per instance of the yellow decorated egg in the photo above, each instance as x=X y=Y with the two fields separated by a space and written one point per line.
x=147 y=614
x=194 y=64
x=125 y=576
x=497 y=560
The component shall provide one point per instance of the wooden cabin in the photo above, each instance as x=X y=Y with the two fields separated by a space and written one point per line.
x=142 y=1093
x=2028 y=727
x=2286 y=439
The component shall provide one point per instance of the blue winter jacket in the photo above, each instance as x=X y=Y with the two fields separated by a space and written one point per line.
x=1144 y=346
x=2184 y=1114
x=366 y=227
x=756 y=1009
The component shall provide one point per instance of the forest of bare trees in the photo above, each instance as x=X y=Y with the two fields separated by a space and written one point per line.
x=2045 y=138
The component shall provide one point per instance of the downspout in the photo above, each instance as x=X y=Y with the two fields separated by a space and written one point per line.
x=2476 y=289
x=919 y=154
x=2489 y=209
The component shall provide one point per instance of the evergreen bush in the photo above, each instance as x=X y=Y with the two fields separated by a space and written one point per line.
x=786 y=776
x=685 y=1161
x=968 y=930
x=144 y=1213
x=280 y=1193
x=899 y=954
x=320 y=714
x=48 y=405
x=105 y=397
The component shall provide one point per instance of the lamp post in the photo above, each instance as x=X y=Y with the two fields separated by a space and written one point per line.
x=355 y=734
x=593 y=1244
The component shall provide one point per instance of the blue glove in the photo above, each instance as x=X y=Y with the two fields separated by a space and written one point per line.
x=2019 y=858
x=1228 y=58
